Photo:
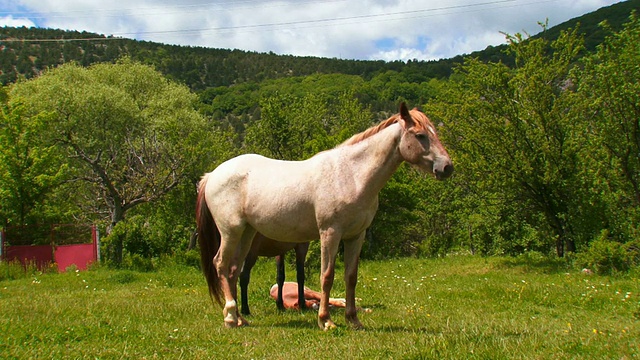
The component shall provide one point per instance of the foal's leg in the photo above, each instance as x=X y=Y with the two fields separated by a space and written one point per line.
x=243 y=249
x=351 y=259
x=280 y=276
x=245 y=278
x=329 y=241
x=301 y=256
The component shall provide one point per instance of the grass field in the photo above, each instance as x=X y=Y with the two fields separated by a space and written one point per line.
x=459 y=307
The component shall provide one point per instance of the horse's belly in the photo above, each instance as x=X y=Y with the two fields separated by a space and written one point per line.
x=281 y=207
x=286 y=227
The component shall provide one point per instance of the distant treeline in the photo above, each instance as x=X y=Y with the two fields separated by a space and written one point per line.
x=201 y=68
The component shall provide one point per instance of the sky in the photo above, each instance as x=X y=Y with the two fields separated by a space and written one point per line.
x=346 y=29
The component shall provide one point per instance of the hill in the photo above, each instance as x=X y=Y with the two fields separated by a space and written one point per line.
x=28 y=51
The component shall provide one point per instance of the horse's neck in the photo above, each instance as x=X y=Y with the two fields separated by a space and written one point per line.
x=374 y=160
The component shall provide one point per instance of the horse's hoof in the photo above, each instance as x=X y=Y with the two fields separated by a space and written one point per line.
x=327 y=325
x=230 y=324
x=231 y=320
x=354 y=322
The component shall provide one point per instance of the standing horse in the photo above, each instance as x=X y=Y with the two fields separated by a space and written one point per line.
x=332 y=196
x=263 y=246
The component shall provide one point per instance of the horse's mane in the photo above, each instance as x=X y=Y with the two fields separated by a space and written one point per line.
x=371 y=131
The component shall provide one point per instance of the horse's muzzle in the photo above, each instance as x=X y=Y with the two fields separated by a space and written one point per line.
x=443 y=170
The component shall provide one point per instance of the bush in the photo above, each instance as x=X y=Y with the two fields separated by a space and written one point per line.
x=189 y=258
x=137 y=262
x=133 y=242
x=605 y=256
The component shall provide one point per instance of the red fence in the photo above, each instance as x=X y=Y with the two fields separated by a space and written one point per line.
x=78 y=253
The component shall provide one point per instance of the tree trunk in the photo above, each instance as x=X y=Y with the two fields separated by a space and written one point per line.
x=193 y=240
x=560 y=246
x=116 y=216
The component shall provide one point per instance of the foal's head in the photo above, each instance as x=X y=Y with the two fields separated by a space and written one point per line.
x=420 y=145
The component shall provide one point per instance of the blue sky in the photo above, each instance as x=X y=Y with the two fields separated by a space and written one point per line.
x=368 y=29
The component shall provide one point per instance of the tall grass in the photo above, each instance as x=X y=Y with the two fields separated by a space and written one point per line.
x=451 y=308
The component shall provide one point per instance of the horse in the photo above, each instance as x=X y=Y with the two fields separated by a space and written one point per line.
x=263 y=246
x=331 y=196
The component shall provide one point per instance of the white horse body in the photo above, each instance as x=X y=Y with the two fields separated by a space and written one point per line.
x=292 y=201
x=331 y=196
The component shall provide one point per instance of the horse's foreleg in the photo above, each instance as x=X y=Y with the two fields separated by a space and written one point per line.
x=351 y=259
x=329 y=242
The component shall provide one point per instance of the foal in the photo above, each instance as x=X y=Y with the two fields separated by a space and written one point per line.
x=263 y=246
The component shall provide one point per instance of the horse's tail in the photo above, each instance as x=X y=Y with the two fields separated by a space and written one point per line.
x=209 y=241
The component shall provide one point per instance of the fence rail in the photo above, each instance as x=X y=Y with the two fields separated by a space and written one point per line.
x=63 y=244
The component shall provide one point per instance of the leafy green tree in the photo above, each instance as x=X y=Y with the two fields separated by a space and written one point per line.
x=29 y=168
x=129 y=135
x=289 y=128
x=610 y=88
x=512 y=136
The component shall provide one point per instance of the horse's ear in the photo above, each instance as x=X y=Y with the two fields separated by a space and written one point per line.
x=404 y=114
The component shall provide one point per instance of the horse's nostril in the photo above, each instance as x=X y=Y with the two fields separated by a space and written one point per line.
x=448 y=170
x=445 y=172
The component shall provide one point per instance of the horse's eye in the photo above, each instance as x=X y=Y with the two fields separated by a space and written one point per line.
x=421 y=136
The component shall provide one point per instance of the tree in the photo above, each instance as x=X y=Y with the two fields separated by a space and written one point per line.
x=29 y=169
x=289 y=127
x=512 y=136
x=127 y=132
x=609 y=86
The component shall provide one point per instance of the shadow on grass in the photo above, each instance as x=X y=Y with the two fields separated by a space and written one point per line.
x=304 y=324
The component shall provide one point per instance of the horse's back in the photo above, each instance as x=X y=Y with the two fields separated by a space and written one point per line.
x=273 y=196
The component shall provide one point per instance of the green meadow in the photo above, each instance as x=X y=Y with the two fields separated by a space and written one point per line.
x=457 y=307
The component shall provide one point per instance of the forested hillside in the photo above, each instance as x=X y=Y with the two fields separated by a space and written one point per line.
x=201 y=68
x=197 y=67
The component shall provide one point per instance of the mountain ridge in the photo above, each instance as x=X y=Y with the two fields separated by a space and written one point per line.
x=201 y=67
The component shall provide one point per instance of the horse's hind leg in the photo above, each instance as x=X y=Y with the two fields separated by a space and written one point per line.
x=234 y=247
x=223 y=263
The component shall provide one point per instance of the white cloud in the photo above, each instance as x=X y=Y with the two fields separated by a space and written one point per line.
x=368 y=29
x=11 y=21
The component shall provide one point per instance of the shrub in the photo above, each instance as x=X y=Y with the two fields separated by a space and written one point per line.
x=605 y=256
x=188 y=258
x=137 y=262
